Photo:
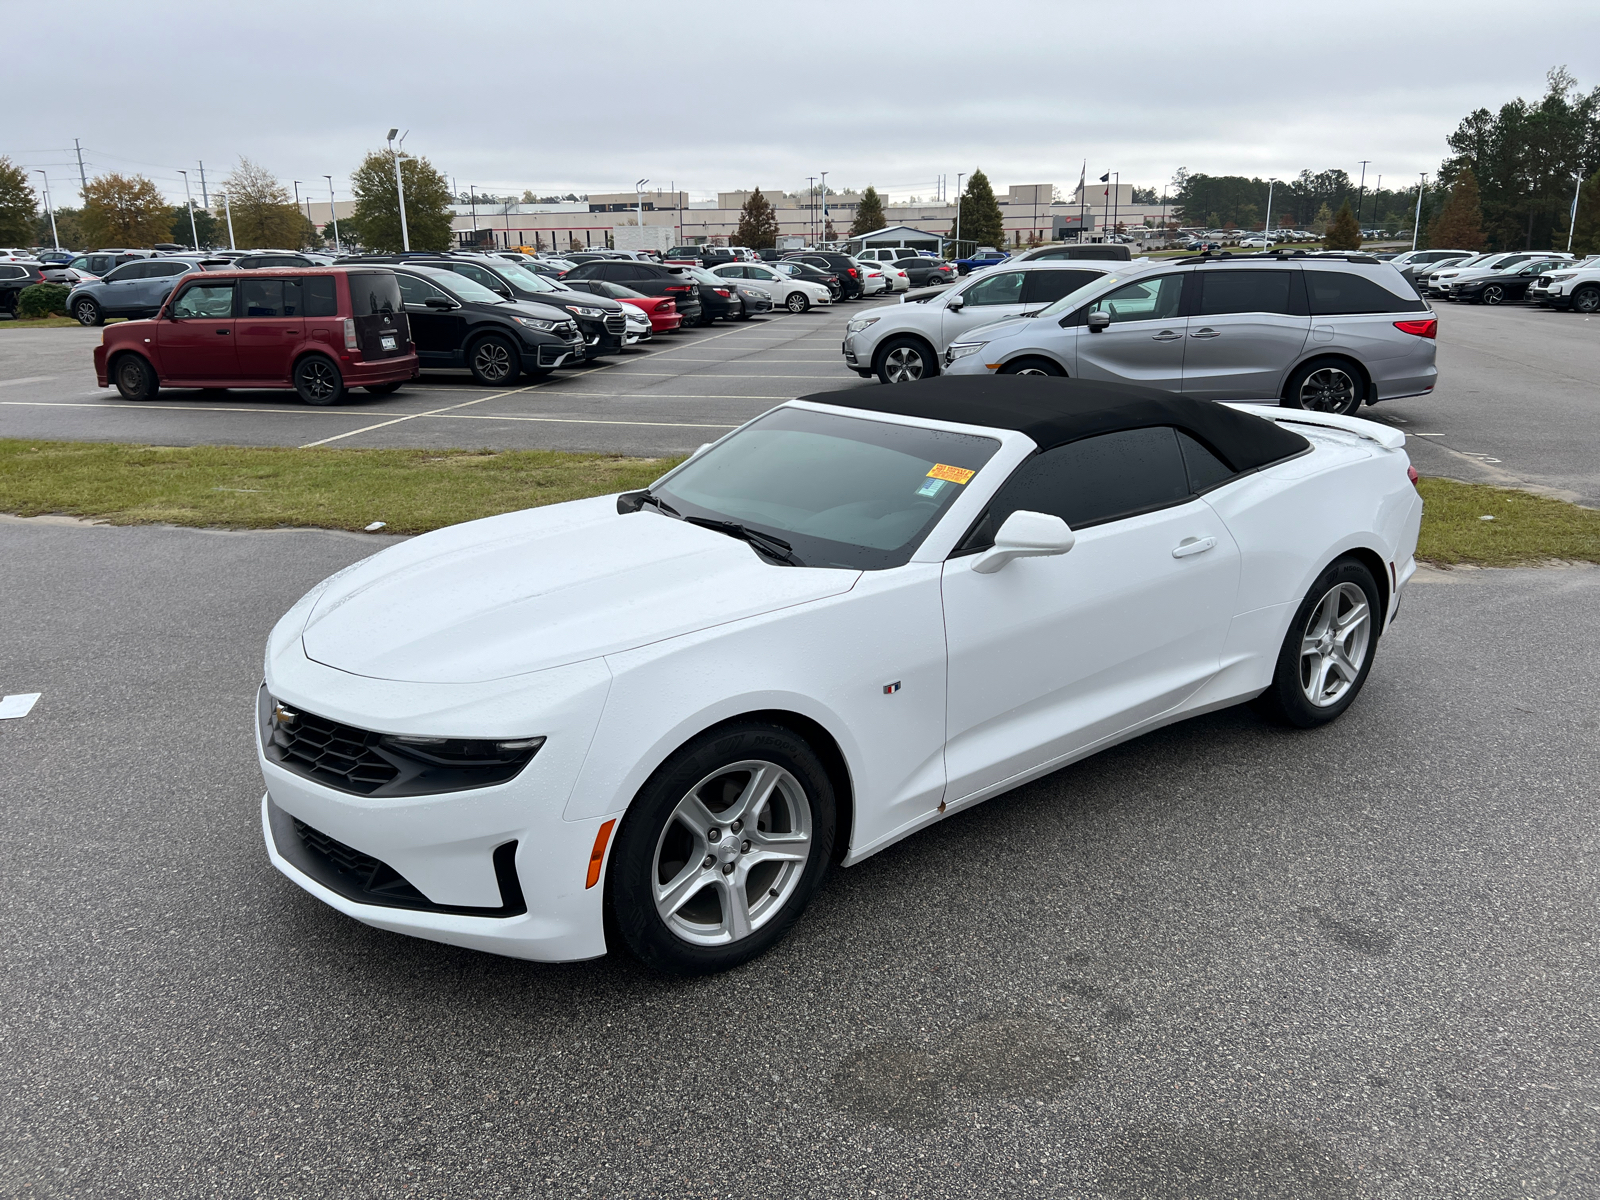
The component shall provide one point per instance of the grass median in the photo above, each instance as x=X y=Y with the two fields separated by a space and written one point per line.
x=413 y=491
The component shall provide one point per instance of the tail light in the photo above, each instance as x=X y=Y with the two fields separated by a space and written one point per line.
x=1411 y=474
x=677 y=287
x=350 y=334
x=667 y=307
x=852 y=271
x=1426 y=329
x=723 y=292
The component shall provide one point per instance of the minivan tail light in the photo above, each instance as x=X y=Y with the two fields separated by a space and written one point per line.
x=350 y=334
x=1427 y=329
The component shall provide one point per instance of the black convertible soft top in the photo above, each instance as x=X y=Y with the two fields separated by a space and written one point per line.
x=1055 y=411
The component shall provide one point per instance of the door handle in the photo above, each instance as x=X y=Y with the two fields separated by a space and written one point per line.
x=1207 y=332
x=1166 y=335
x=221 y=333
x=1193 y=546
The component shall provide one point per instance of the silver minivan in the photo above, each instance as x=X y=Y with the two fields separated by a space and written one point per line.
x=1329 y=332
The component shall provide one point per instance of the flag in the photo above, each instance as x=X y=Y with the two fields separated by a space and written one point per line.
x=1083 y=176
x=1106 y=178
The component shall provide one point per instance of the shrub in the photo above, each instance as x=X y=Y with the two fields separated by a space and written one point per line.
x=42 y=300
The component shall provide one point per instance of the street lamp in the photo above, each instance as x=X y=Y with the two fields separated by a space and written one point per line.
x=399 y=184
x=1266 y=228
x=297 y=183
x=57 y=240
x=1416 y=223
x=1572 y=217
x=189 y=202
x=960 y=175
x=639 y=188
x=334 y=213
x=824 y=236
x=1361 y=192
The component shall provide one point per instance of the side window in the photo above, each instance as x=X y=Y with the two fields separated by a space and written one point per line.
x=320 y=298
x=1227 y=291
x=1002 y=288
x=416 y=292
x=13 y=273
x=478 y=275
x=1333 y=293
x=213 y=301
x=125 y=272
x=1093 y=481
x=1046 y=287
x=261 y=298
x=622 y=272
x=165 y=270
x=1205 y=469
x=1145 y=300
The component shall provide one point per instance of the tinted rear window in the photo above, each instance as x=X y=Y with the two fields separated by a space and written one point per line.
x=1334 y=293
x=374 y=294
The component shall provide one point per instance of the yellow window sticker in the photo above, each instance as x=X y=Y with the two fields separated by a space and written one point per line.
x=953 y=474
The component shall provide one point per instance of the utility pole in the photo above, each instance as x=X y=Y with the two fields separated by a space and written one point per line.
x=188 y=201
x=57 y=240
x=1572 y=217
x=297 y=205
x=1361 y=192
x=400 y=188
x=82 y=178
x=205 y=199
x=472 y=198
x=334 y=213
x=1416 y=224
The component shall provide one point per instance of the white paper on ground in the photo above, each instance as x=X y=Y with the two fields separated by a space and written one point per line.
x=19 y=705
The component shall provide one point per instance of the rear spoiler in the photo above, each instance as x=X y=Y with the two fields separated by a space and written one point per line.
x=1384 y=435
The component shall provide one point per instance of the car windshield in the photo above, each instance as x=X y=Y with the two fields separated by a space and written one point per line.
x=842 y=491
x=460 y=287
x=702 y=275
x=525 y=279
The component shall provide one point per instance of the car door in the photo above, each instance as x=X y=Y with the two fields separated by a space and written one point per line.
x=1048 y=656
x=195 y=337
x=270 y=327
x=1144 y=343
x=989 y=298
x=435 y=332
x=1246 y=328
x=119 y=290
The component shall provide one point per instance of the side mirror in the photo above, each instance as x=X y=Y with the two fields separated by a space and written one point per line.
x=955 y=304
x=1026 y=535
x=437 y=302
x=1098 y=321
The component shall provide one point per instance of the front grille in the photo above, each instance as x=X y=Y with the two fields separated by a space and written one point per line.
x=341 y=756
x=616 y=323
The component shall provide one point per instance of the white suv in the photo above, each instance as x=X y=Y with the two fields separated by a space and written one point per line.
x=1576 y=287
x=904 y=342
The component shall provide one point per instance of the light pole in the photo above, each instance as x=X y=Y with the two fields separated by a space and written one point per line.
x=400 y=187
x=1572 y=217
x=824 y=206
x=1361 y=192
x=811 y=214
x=639 y=189
x=189 y=202
x=1266 y=226
x=334 y=213
x=57 y=240
x=960 y=175
x=1416 y=223
x=227 y=207
x=297 y=183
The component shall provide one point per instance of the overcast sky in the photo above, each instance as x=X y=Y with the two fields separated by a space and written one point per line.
x=588 y=96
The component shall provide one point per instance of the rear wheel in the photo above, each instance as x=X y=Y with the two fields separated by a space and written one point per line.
x=1328 y=387
x=494 y=362
x=905 y=360
x=1328 y=651
x=1586 y=300
x=134 y=378
x=318 y=381
x=798 y=302
x=1032 y=366
x=1494 y=294
x=722 y=849
x=87 y=312
x=384 y=389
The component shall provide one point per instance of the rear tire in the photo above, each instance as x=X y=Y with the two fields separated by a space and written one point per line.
x=798 y=302
x=134 y=377
x=384 y=389
x=1493 y=294
x=1326 y=385
x=87 y=312
x=494 y=362
x=317 y=381
x=1328 y=651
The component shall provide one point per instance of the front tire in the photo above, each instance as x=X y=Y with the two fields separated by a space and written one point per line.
x=1326 y=386
x=494 y=362
x=87 y=312
x=905 y=360
x=1032 y=366
x=317 y=381
x=798 y=302
x=722 y=849
x=1586 y=300
x=1328 y=651
x=135 y=379
x=1493 y=294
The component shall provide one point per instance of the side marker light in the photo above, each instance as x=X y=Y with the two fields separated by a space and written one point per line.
x=598 y=855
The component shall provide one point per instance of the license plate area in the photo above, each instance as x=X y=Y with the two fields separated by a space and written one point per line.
x=389 y=342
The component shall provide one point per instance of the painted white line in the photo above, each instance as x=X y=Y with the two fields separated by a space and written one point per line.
x=584 y=421
x=322 y=412
x=26 y=379
x=413 y=416
x=19 y=705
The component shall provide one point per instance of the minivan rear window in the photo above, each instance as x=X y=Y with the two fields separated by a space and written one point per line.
x=373 y=294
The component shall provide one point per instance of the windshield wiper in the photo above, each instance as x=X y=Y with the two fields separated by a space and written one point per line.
x=765 y=543
x=652 y=498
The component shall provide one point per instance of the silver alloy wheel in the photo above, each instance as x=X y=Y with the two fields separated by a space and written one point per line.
x=492 y=361
x=903 y=364
x=1334 y=645
x=1329 y=390
x=318 y=379
x=798 y=302
x=86 y=312
x=1493 y=294
x=732 y=853
x=1031 y=371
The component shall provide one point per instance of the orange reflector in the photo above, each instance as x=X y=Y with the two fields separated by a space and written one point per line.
x=598 y=854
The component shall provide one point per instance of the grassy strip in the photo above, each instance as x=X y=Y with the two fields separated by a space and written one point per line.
x=242 y=487
x=1526 y=528
x=39 y=323
x=413 y=491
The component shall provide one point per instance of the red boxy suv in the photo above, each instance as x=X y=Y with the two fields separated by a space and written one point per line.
x=320 y=331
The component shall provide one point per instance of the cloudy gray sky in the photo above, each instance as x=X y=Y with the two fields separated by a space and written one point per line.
x=590 y=95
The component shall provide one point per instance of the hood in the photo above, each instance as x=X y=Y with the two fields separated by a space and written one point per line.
x=565 y=296
x=995 y=331
x=534 y=308
x=542 y=588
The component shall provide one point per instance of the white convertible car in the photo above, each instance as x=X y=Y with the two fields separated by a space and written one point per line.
x=661 y=717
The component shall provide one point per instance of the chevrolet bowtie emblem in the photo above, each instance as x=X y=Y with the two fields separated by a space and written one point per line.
x=284 y=716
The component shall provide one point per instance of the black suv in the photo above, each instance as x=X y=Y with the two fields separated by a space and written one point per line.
x=13 y=278
x=842 y=265
x=602 y=322
x=458 y=323
x=649 y=278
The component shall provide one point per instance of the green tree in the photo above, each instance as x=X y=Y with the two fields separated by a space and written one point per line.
x=1459 y=225
x=1324 y=218
x=981 y=219
x=69 y=229
x=869 y=213
x=125 y=211
x=17 y=205
x=375 y=224
x=212 y=231
x=1344 y=233
x=758 y=223
x=264 y=214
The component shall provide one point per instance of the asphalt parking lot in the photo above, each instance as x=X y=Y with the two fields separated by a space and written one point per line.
x=1222 y=961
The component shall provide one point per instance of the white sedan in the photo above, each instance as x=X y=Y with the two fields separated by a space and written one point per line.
x=660 y=718
x=796 y=295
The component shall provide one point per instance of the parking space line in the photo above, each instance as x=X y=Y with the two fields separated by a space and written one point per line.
x=413 y=416
x=583 y=421
x=309 y=411
x=27 y=379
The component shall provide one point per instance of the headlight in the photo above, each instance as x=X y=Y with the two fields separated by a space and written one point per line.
x=962 y=349
x=541 y=326
x=857 y=324
x=1563 y=275
x=584 y=311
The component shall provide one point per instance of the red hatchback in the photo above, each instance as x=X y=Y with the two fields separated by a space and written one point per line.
x=320 y=331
